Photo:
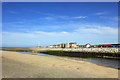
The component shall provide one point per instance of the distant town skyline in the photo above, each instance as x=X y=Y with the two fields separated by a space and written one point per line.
x=27 y=24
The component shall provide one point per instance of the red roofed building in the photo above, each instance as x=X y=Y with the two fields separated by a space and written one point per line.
x=105 y=45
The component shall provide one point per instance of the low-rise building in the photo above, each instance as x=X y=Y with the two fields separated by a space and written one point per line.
x=64 y=45
x=51 y=46
x=72 y=44
x=80 y=46
x=88 y=45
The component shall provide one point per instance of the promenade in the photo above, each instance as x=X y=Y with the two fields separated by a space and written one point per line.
x=89 y=49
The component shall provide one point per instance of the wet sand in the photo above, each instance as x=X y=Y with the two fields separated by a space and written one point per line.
x=22 y=65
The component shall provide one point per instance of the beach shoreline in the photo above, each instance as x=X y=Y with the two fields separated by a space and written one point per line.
x=65 y=57
x=55 y=67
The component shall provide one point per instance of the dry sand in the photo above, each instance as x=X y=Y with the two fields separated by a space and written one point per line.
x=22 y=65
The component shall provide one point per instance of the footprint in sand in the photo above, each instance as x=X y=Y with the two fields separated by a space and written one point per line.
x=77 y=68
x=53 y=65
x=73 y=67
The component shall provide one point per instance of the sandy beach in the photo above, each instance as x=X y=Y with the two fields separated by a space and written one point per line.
x=23 y=65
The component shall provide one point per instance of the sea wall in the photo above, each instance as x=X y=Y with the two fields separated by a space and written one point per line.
x=82 y=54
x=74 y=52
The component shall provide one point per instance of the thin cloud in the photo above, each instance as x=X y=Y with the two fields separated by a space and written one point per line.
x=76 y=17
x=40 y=13
x=100 y=13
x=50 y=33
x=48 y=18
x=115 y=18
x=63 y=17
x=100 y=30
x=57 y=16
x=80 y=17
x=54 y=16
x=110 y=18
x=12 y=12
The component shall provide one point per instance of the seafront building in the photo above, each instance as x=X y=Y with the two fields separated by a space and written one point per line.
x=69 y=45
x=74 y=45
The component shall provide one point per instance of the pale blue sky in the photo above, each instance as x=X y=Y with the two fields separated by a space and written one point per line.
x=47 y=23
